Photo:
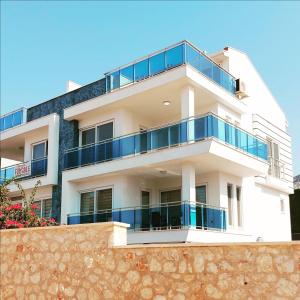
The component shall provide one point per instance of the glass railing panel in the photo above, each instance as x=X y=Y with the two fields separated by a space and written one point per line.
x=141 y=70
x=160 y=138
x=192 y=130
x=25 y=170
x=127 y=146
x=115 y=80
x=157 y=63
x=87 y=155
x=126 y=75
x=128 y=216
x=210 y=69
x=200 y=128
x=262 y=150
x=12 y=119
x=252 y=145
x=39 y=167
x=175 y=57
x=174 y=132
x=166 y=216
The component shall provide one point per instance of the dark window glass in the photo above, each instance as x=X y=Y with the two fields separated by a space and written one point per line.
x=201 y=194
x=105 y=132
x=47 y=208
x=171 y=196
x=39 y=151
x=141 y=70
x=88 y=137
x=145 y=198
x=87 y=202
x=104 y=199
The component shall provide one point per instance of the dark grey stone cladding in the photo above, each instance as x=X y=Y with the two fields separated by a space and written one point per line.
x=68 y=130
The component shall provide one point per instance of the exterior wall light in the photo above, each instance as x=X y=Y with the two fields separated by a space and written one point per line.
x=167 y=103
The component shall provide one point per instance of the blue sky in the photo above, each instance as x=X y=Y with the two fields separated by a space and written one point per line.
x=46 y=43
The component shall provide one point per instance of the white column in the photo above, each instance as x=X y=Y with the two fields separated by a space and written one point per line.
x=188 y=110
x=53 y=145
x=187 y=102
x=70 y=200
x=188 y=189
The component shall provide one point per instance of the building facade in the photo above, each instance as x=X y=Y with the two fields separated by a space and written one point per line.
x=180 y=145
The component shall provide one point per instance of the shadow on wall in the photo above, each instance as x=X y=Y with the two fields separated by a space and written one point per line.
x=295 y=214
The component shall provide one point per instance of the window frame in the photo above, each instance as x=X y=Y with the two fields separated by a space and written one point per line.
x=41 y=200
x=94 y=190
x=95 y=126
x=38 y=143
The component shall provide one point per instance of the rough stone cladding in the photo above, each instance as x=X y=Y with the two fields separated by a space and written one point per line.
x=82 y=262
x=68 y=130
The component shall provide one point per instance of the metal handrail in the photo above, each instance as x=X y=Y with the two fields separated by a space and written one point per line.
x=161 y=205
x=165 y=126
x=24 y=162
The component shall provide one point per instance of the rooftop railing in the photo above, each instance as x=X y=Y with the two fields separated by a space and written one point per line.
x=25 y=170
x=195 y=129
x=174 y=56
x=175 y=215
x=12 y=119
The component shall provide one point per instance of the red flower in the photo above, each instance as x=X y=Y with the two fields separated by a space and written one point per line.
x=32 y=213
x=34 y=206
x=1 y=213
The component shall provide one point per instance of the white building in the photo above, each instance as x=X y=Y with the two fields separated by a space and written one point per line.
x=180 y=145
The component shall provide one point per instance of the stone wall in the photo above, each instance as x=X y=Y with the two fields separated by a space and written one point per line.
x=93 y=262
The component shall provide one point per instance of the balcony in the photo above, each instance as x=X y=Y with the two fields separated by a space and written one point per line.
x=175 y=215
x=171 y=57
x=13 y=119
x=25 y=170
x=187 y=131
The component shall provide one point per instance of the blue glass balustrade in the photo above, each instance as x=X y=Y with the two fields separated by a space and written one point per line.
x=164 y=216
x=191 y=130
x=12 y=119
x=178 y=55
x=38 y=167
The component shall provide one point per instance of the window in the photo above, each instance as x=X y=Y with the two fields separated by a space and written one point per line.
x=105 y=132
x=44 y=208
x=104 y=199
x=170 y=196
x=39 y=150
x=230 y=204
x=273 y=157
x=145 y=198
x=201 y=194
x=87 y=202
x=97 y=134
x=239 y=207
x=88 y=136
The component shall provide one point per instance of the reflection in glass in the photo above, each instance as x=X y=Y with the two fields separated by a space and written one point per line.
x=174 y=57
x=157 y=63
x=141 y=70
x=126 y=75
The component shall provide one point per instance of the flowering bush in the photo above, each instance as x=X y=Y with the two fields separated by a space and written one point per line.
x=23 y=214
